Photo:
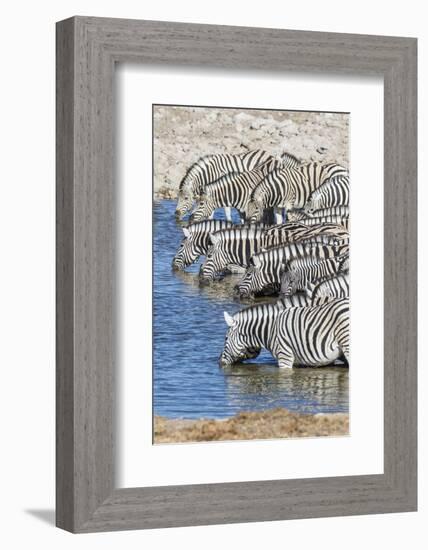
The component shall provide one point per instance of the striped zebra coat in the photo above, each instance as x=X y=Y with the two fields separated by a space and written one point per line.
x=336 y=220
x=300 y=214
x=231 y=248
x=232 y=190
x=235 y=246
x=303 y=271
x=290 y=188
x=296 y=231
x=196 y=242
x=212 y=167
x=333 y=193
x=333 y=287
x=311 y=336
x=265 y=270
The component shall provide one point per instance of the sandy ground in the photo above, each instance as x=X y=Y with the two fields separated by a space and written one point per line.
x=184 y=134
x=273 y=424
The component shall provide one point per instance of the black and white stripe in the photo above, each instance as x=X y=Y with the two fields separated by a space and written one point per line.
x=310 y=336
x=333 y=287
x=196 y=242
x=328 y=233
x=231 y=249
x=232 y=190
x=212 y=167
x=301 y=272
x=264 y=272
x=290 y=188
x=333 y=193
x=300 y=215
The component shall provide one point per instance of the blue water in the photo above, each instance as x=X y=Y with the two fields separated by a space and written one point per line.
x=189 y=331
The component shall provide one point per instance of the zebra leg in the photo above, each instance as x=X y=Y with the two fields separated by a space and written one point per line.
x=228 y=213
x=343 y=343
x=278 y=216
x=285 y=357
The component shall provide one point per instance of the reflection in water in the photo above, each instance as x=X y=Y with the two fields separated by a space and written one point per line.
x=303 y=388
x=188 y=335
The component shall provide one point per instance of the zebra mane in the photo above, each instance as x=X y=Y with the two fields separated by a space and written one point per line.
x=198 y=165
x=202 y=161
x=290 y=161
x=250 y=310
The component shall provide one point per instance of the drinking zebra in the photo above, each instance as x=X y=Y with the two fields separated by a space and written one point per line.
x=312 y=336
x=290 y=188
x=236 y=245
x=303 y=271
x=295 y=231
x=231 y=248
x=335 y=192
x=212 y=167
x=196 y=242
x=265 y=270
x=232 y=190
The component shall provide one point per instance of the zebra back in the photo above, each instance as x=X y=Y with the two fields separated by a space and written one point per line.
x=332 y=287
x=313 y=335
x=302 y=271
x=334 y=192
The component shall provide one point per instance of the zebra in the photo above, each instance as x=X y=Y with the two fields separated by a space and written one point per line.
x=336 y=220
x=295 y=231
x=299 y=215
x=236 y=245
x=232 y=190
x=231 y=247
x=253 y=318
x=212 y=167
x=302 y=271
x=333 y=287
x=196 y=242
x=335 y=192
x=265 y=269
x=312 y=336
x=290 y=188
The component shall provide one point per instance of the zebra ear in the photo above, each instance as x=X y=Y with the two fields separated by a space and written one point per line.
x=186 y=232
x=256 y=261
x=229 y=319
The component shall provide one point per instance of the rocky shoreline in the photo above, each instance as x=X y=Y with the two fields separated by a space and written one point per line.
x=270 y=424
x=184 y=134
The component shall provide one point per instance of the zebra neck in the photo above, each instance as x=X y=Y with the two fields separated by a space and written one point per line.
x=262 y=327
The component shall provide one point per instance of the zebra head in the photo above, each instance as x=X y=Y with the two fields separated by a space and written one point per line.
x=210 y=267
x=184 y=201
x=295 y=215
x=237 y=342
x=313 y=203
x=289 y=285
x=252 y=281
x=187 y=253
x=253 y=211
x=203 y=209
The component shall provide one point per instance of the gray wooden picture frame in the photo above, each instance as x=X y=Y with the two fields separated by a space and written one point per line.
x=87 y=51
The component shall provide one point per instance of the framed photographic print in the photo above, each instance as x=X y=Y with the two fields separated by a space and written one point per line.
x=236 y=274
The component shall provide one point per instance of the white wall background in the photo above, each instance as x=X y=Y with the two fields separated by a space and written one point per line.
x=27 y=286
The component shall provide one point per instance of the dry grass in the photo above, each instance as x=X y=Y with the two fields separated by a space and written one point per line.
x=272 y=424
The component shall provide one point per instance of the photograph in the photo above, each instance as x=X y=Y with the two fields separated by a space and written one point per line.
x=251 y=259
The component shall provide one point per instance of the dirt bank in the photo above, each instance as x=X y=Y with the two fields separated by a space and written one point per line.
x=184 y=134
x=272 y=424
